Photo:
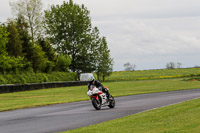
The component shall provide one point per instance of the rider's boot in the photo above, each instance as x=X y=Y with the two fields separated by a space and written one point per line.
x=108 y=95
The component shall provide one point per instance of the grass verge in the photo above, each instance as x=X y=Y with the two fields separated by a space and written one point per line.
x=178 y=118
x=43 y=97
x=153 y=74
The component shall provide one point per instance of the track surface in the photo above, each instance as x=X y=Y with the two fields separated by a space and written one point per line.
x=68 y=116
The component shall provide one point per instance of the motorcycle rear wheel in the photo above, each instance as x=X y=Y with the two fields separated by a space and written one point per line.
x=96 y=103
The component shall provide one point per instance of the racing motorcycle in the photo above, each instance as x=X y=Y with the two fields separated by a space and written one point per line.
x=99 y=98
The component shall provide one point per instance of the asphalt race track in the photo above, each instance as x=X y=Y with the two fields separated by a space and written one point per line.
x=62 y=117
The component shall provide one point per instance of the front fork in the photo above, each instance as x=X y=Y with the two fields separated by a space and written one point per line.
x=97 y=97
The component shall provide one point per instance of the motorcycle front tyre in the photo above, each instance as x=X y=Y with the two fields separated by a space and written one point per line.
x=96 y=103
x=112 y=103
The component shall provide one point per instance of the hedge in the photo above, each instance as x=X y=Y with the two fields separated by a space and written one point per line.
x=31 y=77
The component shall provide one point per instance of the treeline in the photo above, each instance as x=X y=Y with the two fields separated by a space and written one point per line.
x=60 y=39
x=19 y=54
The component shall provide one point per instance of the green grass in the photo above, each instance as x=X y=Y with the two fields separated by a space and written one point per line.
x=148 y=86
x=18 y=100
x=42 y=97
x=179 y=118
x=154 y=74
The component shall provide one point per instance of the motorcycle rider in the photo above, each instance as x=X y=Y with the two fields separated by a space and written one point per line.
x=98 y=84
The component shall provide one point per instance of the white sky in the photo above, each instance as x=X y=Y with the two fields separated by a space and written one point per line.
x=148 y=33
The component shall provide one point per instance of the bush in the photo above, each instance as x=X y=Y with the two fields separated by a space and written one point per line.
x=62 y=63
x=31 y=77
x=13 y=64
x=2 y=80
x=49 y=66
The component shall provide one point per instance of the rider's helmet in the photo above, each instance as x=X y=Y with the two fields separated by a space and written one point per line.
x=91 y=79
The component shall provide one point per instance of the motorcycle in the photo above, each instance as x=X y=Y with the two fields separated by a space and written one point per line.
x=99 y=98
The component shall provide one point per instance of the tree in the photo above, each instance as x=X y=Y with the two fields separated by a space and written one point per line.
x=3 y=40
x=179 y=65
x=8 y=63
x=70 y=31
x=38 y=59
x=68 y=27
x=129 y=67
x=104 y=61
x=31 y=10
x=22 y=27
x=14 y=45
x=48 y=49
x=171 y=65
x=89 y=52
x=40 y=54
x=62 y=63
x=196 y=66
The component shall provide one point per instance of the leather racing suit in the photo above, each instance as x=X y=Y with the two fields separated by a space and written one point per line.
x=99 y=86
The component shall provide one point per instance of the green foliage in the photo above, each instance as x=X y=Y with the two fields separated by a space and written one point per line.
x=13 y=64
x=67 y=24
x=62 y=63
x=48 y=67
x=38 y=58
x=2 y=80
x=105 y=62
x=14 y=45
x=31 y=77
x=48 y=49
x=22 y=28
x=69 y=29
x=3 y=40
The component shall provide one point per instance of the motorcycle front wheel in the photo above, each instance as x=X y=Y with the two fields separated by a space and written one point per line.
x=112 y=103
x=96 y=103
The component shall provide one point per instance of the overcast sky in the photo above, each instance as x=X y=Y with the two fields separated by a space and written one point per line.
x=147 y=33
